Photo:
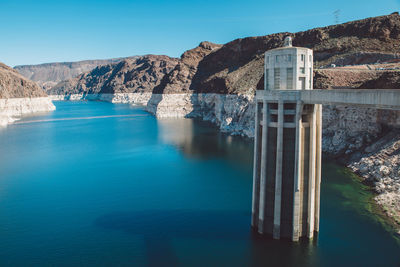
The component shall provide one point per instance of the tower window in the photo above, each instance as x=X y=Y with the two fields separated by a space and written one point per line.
x=310 y=58
x=277 y=78
x=289 y=58
x=302 y=57
x=266 y=79
x=276 y=59
x=288 y=118
x=289 y=106
x=289 y=78
x=273 y=106
x=302 y=70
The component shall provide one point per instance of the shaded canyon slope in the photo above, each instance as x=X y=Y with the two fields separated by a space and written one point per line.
x=138 y=75
x=14 y=85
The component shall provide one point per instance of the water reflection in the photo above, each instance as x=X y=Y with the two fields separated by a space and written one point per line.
x=201 y=140
x=159 y=228
x=269 y=252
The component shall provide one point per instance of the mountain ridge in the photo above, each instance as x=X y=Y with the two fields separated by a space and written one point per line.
x=127 y=76
x=49 y=74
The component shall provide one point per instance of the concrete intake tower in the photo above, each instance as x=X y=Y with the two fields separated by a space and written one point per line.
x=287 y=148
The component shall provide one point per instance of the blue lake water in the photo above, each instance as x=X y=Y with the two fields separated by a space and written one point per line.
x=101 y=184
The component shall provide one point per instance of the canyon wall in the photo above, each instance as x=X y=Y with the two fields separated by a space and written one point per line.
x=19 y=96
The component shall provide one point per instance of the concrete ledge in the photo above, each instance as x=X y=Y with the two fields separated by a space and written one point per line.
x=374 y=98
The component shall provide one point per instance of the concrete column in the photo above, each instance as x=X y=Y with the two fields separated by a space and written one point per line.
x=297 y=173
x=318 y=167
x=311 y=175
x=278 y=174
x=263 y=172
x=256 y=170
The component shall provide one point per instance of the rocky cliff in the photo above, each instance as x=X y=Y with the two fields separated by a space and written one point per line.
x=19 y=96
x=49 y=74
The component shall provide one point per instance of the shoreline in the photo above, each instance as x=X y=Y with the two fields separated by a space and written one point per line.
x=375 y=210
x=127 y=98
x=12 y=109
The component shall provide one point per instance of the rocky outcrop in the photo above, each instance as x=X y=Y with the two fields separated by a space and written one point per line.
x=49 y=74
x=233 y=114
x=172 y=105
x=337 y=78
x=347 y=129
x=386 y=80
x=179 y=80
x=379 y=165
x=19 y=96
x=12 y=109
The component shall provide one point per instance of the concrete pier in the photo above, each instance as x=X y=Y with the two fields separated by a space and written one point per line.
x=286 y=164
x=287 y=143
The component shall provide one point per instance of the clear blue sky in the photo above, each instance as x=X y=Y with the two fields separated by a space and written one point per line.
x=33 y=32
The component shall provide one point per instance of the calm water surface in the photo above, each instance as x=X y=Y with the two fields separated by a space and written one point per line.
x=137 y=191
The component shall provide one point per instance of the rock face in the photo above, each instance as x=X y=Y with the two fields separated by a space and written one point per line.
x=128 y=80
x=179 y=80
x=379 y=165
x=19 y=96
x=350 y=78
x=49 y=74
